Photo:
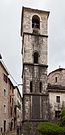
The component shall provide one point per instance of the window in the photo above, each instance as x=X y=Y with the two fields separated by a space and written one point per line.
x=10 y=86
x=35 y=22
x=5 y=78
x=58 y=99
x=10 y=99
x=1 y=129
x=4 y=92
x=57 y=114
x=11 y=110
x=36 y=57
x=4 y=125
x=4 y=108
x=40 y=86
x=31 y=89
x=55 y=79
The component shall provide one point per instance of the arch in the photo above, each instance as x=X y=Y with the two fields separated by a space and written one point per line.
x=36 y=55
x=35 y=22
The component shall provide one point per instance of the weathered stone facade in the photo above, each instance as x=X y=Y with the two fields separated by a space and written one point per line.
x=3 y=100
x=34 y=40
x=57 y=77
x=7 y=116
x=56 y=90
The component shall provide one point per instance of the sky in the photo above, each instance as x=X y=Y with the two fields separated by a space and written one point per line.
x=11 y=41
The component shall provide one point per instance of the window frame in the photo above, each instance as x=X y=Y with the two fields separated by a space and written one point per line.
x=36 y=22
x=5 y=78
x=40 y=87
x=58 y=99
x=31 y=87
x=36 y=57
x=4 y=92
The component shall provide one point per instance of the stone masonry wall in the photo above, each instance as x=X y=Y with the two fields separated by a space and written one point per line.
x=60 y=74
x=32 y=44
x=27 y=21
x=3 y=100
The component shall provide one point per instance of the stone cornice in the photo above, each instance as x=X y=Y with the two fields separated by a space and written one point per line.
x=35 y=34
x=33 y=64
x=35 y=94
x=56 y=88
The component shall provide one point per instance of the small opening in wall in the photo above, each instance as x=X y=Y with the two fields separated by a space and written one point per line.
x=55 y=79
x=36 y=57
x=40 y=87
x=35 y=22
x=57 y=114
x=31 y=89
x=58 y=99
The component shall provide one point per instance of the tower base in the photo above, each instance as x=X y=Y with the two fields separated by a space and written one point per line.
x=30 y=128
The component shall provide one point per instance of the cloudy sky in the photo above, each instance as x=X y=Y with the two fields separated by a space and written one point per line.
x=10 y=39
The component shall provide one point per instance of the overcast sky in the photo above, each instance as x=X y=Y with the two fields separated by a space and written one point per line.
x=10 y=39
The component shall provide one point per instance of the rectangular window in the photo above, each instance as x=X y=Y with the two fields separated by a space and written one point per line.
x=57 y=114
x=40 y=87
x=11 y=111
x=31 y=87
x=58 y=99
x=10 y=86
x=4 y=125
x=5 y=78
x=4 y=108
x=10 y=99
x=4 y=92
x=55 y=79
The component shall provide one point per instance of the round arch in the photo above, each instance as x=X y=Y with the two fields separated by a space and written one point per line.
x=36 y=22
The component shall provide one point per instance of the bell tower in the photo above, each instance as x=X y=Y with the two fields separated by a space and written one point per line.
x=34 y=32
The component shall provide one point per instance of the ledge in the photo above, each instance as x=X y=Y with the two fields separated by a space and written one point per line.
x=34 y=34
x=35 y=120
x=36 y=94
x=56 y=88
x=33 y=64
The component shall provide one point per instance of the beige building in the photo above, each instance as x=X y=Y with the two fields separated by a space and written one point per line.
x=7 y=120
x=11 y=105
x=17 y=106
x=4 y=119
x=56 y=89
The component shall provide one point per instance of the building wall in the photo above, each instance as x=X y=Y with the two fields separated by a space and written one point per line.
x=3 y=100
x=11 y=104
x=56 y=81
x=55 y=106
x=35 y=43
x=60 y=74
x=27 y=21
x=17 y=102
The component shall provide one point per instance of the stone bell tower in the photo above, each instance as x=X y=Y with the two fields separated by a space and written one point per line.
x=34 y=32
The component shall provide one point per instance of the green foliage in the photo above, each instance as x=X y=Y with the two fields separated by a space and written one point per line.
x=62 y=119
x=48 y=128
x=63 y=113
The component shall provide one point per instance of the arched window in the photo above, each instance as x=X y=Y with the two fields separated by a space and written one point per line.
x=31 y=89
x=40 y=87
x=35 y=22
x=36 y=57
